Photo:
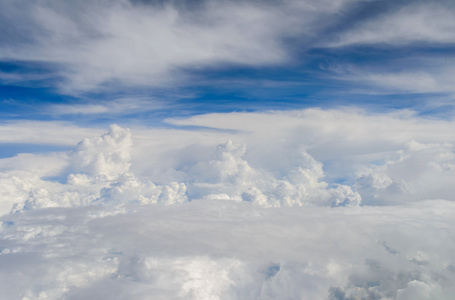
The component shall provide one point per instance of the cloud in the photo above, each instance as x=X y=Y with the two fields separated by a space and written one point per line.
x=291 y=204
x=152 y=45
x=411 y=23
x=109 y=108
x=106 y=157
x=415 y=74
x=98 y=171
x=305 y=158
x=229 y=250
x=342 y=140
x=419 y=171
x=118 y=43
x=95 y=172
x=139 y=44
x=229 y=176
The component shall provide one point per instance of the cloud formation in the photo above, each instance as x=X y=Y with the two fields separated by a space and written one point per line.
x=227 y=206
x=147 y=44
x=127 y=43
x=305 y=158
x=229 y=250
x=413 y=22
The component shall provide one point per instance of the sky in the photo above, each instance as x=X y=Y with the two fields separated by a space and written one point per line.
x=227 y=149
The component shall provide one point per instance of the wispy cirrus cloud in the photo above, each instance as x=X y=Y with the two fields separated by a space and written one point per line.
x=107 y=108
x=120 y=45
x=418 y=75
x=412 y=22
x=146 y=44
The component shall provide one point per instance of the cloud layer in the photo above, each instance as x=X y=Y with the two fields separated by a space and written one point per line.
x=235 y=206
x=229 y=250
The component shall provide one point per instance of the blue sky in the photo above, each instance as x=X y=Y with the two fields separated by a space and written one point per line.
x=119 y=60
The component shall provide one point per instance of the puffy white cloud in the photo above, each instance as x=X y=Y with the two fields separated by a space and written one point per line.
x=98 y=171
x=306 y=159
x=229 y=176
x=106 y=157
x=95 y=172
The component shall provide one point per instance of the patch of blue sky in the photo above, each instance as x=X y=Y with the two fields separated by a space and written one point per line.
x=235 y=89
x=12 y=149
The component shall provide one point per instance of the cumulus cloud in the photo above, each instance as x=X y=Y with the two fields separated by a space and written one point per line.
x=104 y=158
x=98 y=171
x=306 y=159
x=229 y=176
x=163 y=166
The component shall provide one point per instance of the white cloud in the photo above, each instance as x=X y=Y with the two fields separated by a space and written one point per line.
x=115 y=41
x=154 y=45
x=98 y=171
x=229 y=250
x=419 y=171
x=78 y=109
x=183 y=214
x=417 y=74
x=425 y=22
x=308 y=157
x=106 y=157
x=114 y=107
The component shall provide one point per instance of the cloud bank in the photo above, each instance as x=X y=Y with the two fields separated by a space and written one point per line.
x=304 y=159
x=227 y=206
x=230 y=250
x=331 y=204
